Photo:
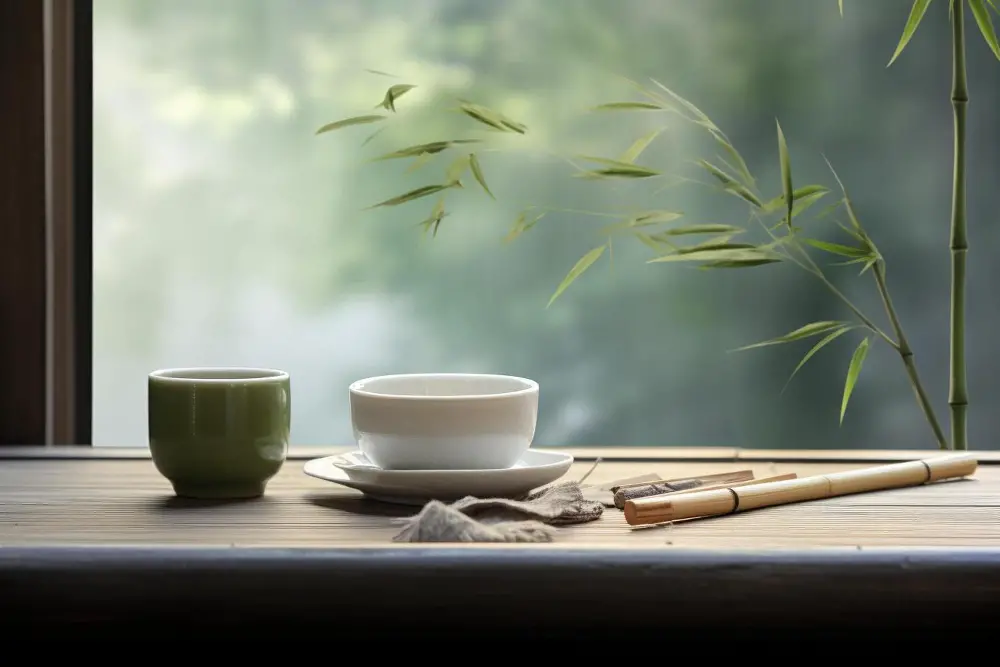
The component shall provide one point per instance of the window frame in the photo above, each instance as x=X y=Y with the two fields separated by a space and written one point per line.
x=69 y=153
x=46 y=238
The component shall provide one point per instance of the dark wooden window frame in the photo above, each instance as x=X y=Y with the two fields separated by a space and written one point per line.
x=45 y=221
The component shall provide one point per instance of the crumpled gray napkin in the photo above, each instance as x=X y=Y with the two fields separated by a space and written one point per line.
x=528 y=519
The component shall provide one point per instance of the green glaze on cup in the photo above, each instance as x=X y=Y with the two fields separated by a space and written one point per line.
x=219 y=432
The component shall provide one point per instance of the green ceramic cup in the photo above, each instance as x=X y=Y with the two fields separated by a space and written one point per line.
x=219 y=432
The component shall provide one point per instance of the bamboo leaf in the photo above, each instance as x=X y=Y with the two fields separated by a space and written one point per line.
x=797 y=195
x=636 y=149
x=741 y=164
x=811 y=329
x=827 y=210
x=847 y=201
x=916 y=15
x=840 y=4
x=622 y=170
x=730 y=184
x=800 y=206
x=657 y=244
x=381 y=73
x=853 y=371
x=621 y=106
x=393 y=94
x=805 y=202
x=522 y=224
x=477 y=172
x=433 y=221
x=856 y=260
x=492 y=118
x=438 y=207
x=518 y=227
x=419 y=193
x=714 y=243
x=582 y=265
x=838 y=249
x=651 y=217
x=720 y=174
x=643 y=220
x=816 y=348
x=985 y=24
x=718 y=243
x=372 y=136
x=482 y=118
x=851 y=231
x=431 y=148
x=786 y=173
x=699 y=115
x=419 y=162
x=743 y=193
x=616 y=163
x=347 y=122
x=702 y=229
x=738 y=264
x=520 y=128
x=719 y=255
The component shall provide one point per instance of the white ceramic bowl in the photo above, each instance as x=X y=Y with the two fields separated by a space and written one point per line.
x=444 y=421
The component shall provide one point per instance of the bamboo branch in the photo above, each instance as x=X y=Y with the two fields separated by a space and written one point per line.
x=906 y=354
x=865 y=320
x=958 y=397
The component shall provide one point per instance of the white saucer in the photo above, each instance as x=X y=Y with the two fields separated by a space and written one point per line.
x=415 y=487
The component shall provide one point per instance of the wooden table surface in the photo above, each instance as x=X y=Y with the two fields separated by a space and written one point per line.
x=94 y=544
x=126 y=502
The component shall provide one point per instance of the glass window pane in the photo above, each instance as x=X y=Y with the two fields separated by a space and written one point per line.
x=226 y=232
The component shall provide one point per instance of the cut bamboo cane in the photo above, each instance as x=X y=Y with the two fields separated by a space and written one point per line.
x=713 y=487
x=624 y=492
x=740 y=498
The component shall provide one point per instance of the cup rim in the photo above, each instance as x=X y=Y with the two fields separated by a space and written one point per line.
x=241 y=374
x=530 y=386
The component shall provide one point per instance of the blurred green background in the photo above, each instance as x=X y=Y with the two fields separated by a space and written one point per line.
x=226 y=233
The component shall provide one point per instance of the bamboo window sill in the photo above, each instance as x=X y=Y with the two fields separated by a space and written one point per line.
x=108 y=496
x=92 y=541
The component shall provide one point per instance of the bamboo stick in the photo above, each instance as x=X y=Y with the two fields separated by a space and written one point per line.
x=713 y=487
x=735 y=498
x=658 y=487
x=734 y=476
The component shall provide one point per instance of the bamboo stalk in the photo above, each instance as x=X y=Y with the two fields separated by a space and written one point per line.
x=698 y=503
x=901 y=345
x=958 y=397
x=906 y=354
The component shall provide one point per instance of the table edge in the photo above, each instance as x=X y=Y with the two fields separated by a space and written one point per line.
x=623 y=454
x=516 y=589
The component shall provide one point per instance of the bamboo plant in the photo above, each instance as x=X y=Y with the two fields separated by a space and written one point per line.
x=778 y=220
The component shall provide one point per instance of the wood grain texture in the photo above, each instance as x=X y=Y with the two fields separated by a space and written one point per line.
x=126 y=502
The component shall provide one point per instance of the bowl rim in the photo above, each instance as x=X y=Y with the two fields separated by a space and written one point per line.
x=530 y=387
